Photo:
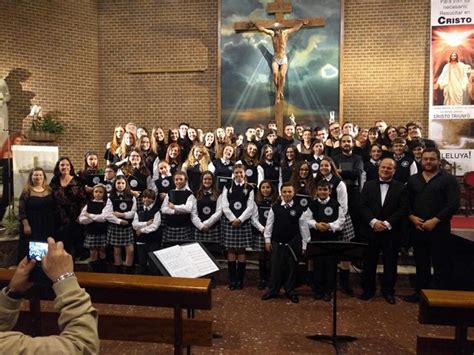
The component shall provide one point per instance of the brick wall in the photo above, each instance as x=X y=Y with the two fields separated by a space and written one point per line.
x=49 y=53
x=87 y=59
x=177 y=41
x=386 y=61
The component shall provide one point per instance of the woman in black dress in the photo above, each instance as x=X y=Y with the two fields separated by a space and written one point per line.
x=37 y=211
x=69 y=194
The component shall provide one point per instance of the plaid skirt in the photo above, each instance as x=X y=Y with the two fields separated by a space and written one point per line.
x=177 y=234
x=348 y=232
x=212 y=235
x=236 y=238
x=258 y=240
x=95 y=241
x=118 y=235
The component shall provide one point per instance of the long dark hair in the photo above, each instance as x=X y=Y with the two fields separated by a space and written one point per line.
x=259 y=198
x=127 y=193
x=200 y=192
x=57 y=173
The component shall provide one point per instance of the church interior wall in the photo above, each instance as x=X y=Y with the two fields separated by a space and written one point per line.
x=104 y=62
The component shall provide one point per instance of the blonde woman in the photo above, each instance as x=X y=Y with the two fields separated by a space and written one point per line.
x=198 y=162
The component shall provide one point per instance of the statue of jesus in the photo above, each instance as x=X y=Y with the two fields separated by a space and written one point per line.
x=280 y=60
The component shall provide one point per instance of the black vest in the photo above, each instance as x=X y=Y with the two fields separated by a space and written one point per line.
x=238 y=197
x=263 y=208
x=144 y=216
x=223 y=173
x=271 y=172
x=194 y=176
x=335 y=181
x=402 y=173
x=165 y=184
x=96 y=228
x=178 y=197
x=137 y=180
x=327 y=213
x=286 y=223
x=251 y=172
x=314 y=165
x=371 y=171
x=206 y=207
x=286 y=172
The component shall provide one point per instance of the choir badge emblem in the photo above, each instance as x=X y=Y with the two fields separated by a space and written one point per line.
x=206 y=210
x=292 y=213
x=404 y=163
x=304 y=202
x=276 y=168
x=238 y=205
x=249 y=172
x=123 y=206
x=265 y=214
x=96 y=180
x=108 y=187
x=133 y=183
x=315 y=166
x=328 y=211
x=165 y=183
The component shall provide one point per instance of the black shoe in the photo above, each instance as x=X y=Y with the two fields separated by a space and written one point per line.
x=293 y=298
x=232 y=286
x=268 y=296
x=239 y=285
x=414 y=298
x=389 y=298
x=262 y=284
x=366 y=296
x=327 y=297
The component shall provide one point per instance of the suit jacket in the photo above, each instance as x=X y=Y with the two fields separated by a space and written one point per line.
x=394 y=209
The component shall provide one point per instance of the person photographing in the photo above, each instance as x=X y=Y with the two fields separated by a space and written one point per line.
x=77 y=318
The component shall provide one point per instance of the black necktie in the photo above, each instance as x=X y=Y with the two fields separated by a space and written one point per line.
x=287 y=206
x=385 y=182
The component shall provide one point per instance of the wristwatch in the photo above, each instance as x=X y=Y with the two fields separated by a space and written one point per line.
x=7 y=291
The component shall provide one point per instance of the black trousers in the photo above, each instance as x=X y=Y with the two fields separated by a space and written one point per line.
x=324 y=274
x=142 y=253
x=283 y=269
x=388 y=244
x=432 y=249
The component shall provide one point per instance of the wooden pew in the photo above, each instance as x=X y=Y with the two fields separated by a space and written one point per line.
x=137 y=290
x=448 y=308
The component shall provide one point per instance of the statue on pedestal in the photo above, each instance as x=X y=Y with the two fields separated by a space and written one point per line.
x=4 y=99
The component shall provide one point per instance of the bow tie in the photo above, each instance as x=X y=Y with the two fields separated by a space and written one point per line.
x=385 y=182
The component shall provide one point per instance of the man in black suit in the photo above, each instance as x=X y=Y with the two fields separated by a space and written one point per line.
x=384 y=207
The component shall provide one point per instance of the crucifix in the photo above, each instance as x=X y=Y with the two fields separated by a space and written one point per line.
x=279 y=30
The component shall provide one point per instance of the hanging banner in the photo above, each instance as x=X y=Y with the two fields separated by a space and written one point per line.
x=451 y=121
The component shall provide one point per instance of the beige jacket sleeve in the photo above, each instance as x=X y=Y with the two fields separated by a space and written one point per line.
x=77 y=324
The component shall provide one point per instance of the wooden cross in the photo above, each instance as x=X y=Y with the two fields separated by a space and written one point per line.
x=279 y=8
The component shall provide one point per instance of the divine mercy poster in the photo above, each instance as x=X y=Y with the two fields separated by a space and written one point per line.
x=311 y=89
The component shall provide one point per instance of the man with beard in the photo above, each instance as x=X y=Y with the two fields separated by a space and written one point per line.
x=433 y=200
x=351 y=168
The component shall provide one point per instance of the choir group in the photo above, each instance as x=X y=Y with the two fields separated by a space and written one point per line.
x=253 y=191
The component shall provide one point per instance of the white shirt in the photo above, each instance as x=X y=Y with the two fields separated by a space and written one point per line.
x=186 y=208
x=333 y=226
x=143 y=226
x=211 y=220
x=228 y=212
x=383 y=194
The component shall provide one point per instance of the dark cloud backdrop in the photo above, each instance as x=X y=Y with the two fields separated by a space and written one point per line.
x=246 y=80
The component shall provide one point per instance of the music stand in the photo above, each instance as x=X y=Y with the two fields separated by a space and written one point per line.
x=341 y=251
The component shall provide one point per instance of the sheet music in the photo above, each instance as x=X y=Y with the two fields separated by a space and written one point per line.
x=176 y=262
x=201 y=260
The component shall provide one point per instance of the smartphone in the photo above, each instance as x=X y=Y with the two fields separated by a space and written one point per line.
x=37 y=250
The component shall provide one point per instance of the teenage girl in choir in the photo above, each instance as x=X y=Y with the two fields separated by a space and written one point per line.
x=302 y=182
x=148 y=155
x=93 y=216
x=177 y=207
x=165 y=182
x=198 y=161
x=110 y=155
x=128 y=143
x=223 y=167
x=390 y=133
x=221 y=142
x=157 y=141
x=207 y=211
x=90 y=167
x=318 y=154
x=237 y=208
x=250 y=162
x=192 y=136
x=266 y=196
x=120 y=214
x=371 y=167
x=328 y=171
x=209 y=143
x=146 y=224
x=268 y=167
x=174 y=157
x=288 y=161
x=305 y=147
x=136 y=173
